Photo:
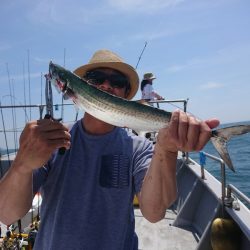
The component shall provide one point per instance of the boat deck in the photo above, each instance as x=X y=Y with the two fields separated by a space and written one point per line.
x=162 y=235
x=158 y=236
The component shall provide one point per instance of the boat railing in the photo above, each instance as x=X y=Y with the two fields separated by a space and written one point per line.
x=184 y=101
x=40 y=107
x=231 y=189
x=228 y=192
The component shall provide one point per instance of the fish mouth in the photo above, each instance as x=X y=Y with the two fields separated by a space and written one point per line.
x=59 y=85
x=55 y=77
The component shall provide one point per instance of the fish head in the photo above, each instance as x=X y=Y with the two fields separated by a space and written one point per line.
x=58 y=77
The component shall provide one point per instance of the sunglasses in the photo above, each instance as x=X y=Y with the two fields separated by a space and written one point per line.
x=96 y=77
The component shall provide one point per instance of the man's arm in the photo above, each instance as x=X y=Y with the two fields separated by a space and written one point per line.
x=158 y=97
x=16 y=195
x=159 y=188
x=38 y=141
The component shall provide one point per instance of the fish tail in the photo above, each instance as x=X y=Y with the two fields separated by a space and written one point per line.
x=220 y=138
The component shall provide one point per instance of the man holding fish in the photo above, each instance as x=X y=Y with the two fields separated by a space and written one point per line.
x=88 y=191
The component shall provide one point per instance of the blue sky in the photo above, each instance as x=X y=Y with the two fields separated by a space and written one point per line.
x=198 y=49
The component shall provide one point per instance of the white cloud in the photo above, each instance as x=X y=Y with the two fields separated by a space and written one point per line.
x=176 y=68
x=150 y=35
x=223 y=56
x=189 y=64
x=212 y=85
x=60 y=12
x=143 y=5
x=52 y=12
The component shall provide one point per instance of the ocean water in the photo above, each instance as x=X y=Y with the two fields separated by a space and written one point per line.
x=4 y=151
x=239 y=150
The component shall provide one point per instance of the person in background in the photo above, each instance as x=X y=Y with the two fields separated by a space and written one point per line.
x=148 y=92
x=87 y=193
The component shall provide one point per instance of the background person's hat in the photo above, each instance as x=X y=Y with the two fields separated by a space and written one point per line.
x=108 y=59
x=149 y=76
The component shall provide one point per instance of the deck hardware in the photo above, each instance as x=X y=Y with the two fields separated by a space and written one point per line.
x=202 y=163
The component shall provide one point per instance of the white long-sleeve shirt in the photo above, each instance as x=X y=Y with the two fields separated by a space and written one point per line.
x=149 y=93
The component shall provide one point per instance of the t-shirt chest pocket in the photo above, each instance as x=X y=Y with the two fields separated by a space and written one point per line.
x=114 y=171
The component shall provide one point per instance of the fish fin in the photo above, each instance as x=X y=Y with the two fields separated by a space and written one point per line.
x=220 y=145
x=68 y=94
x=220 y=138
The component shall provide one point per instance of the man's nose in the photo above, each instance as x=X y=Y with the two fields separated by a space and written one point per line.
x=106 y=86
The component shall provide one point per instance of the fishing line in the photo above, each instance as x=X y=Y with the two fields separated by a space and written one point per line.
x=176 y=106
x=5 y=136
x=14 y=118
x=11 y=101
x=139 y=59
x=24 y=92
x=62 y=102
x=183 y=109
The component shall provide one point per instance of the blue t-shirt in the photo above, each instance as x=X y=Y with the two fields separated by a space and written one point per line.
x=88 y=192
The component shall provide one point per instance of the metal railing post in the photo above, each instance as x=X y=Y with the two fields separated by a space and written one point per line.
x=223 y=178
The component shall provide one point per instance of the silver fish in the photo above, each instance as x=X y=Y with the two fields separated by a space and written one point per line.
x=123 y=113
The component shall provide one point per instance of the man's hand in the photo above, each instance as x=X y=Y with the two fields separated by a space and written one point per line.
x=38 y=141
x=185 y=133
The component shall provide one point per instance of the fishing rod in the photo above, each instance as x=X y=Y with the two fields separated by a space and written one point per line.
x=29 y=80
x=62 y=109
x=139 y=59
x=11 y=94
x=5 y=136
x=24 y=92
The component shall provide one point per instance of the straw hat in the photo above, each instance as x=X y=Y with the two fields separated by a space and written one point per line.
x=108 y=59
x=149 y=76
